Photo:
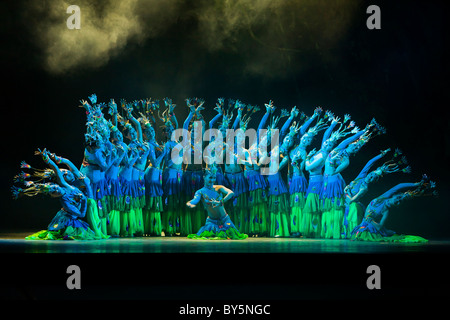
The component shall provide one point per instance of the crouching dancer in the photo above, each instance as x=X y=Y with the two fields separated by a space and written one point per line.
x=218 y=224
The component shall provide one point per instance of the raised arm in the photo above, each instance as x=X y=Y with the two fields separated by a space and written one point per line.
x=370 y=163
x=349 y=140
x=308 y=122
x=399 y=187
x=330 y=129
x=135 y=122
x=59 y=176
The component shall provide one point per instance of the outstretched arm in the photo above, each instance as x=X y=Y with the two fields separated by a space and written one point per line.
x=59 y=177
x=399 y=187
x=308 y=122
x=349 y=140
x=74 y=170
x=330 y=129
x=197 y=197
x=370 y=163
x=135 y=122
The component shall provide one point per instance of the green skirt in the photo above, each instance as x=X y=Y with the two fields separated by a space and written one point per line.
x=68 y=233
x=279 y=215
x=297 y=203
x=369 y=236
x=312 y=216
x=97 y=224
x=332 y=218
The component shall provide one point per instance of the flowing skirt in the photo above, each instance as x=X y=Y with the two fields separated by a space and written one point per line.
x=218 y=229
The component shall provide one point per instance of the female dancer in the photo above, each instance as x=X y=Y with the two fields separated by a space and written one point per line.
x=153 y=185
x=75 y=178
x=218 y=224
x=258 y=220
x=298 y=184
x=67 y=224
x=97 y=157
x=314 y=164
x=171 y=179
x=372 y=227
x=356 y=189
x=130 y=197
x=237 y=207
x=112 y=174
x=192 y=179
x=333 y=184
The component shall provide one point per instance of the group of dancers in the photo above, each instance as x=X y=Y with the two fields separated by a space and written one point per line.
x=130 y=185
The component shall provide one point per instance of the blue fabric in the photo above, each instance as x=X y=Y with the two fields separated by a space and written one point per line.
x=298 y=183
x=99 y=189
x=114 y=187
x=191 y=181
x=277 y=185
x=236 y=182
x=217 y=225
x=172 y=181
x=366 y=225
x=315 y=185
x=64 y=219
x=333 y=186
x=255 y=180
x=153 y=182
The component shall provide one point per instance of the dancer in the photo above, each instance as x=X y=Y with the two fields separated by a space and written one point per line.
x=192 y=179
x=97 y=157
x=298 y=185
x=314 y=164
x=75 y=178
x=171 y=179
x=67 y=224
x=356 y=189
x=218 y=224
x=333 y=205
x=372 y=228
x=258 y=221
x=130 y=197
x=153 y=184
x=235 y=180
x=115 y=193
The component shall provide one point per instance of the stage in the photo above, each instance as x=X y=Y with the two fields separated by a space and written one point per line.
x=14 y=242
x=173 y=271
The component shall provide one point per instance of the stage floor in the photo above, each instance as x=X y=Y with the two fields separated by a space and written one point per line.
x=184 y=270
x=14 y=242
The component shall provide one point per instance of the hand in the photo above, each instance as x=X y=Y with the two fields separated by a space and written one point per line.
x=294 y=112
x=93 y=98
x=383 y=152
x=270 y=107
x=190 y=205
x=311 y=153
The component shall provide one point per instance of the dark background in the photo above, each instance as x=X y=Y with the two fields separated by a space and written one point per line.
x=397 y=75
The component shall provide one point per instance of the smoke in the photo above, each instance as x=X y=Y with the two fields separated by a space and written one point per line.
x=272 y=37
x=107 y=27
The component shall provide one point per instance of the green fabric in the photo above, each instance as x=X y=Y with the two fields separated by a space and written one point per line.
x=332 y=223
x=354 y=218
x=375 y=237
x=128 y=223
x=297 y=202
x=152 y=222
x=114 y=223
x=68 y=233
x=97 y=224
x=279 y=224
x=312 y=203
x=230 y=234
